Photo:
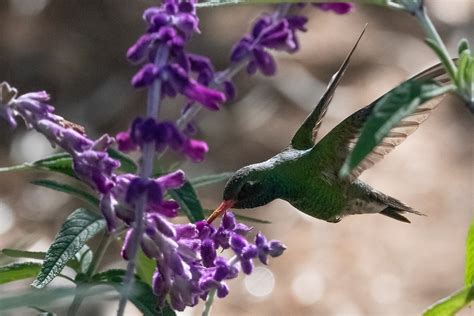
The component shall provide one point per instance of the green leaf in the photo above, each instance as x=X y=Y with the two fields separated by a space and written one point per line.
x=69 y=189
x=15 y=253
x=215 y=3
x=189 y=202
x=469 y=272
x=81 y=258
x=78 y=228
x=388 y=112
x=141 y=294
x=61 y=163
x=447 y=63
x=18 y=271
x=463 y=46
x=126 y=164
x=451 y=304
x=145 y=267
x=243 y=218
x=46 y=296
x=210 y=179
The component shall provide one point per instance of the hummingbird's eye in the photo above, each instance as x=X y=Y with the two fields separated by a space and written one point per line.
x=248 y=189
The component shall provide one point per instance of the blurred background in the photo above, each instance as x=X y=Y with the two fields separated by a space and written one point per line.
x=364 y=265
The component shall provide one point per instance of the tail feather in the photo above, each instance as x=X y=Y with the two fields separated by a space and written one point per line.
x=395 y=208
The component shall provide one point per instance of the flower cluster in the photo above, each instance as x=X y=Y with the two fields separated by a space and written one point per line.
x=162 y=50
x=188 y=264
x=276 y=31
x=162 y=134
x=91 y=163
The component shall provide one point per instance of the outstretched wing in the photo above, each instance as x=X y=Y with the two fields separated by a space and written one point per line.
x=342 y=139
x=306 y=134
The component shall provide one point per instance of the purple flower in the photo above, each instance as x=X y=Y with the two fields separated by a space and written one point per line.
x=91 y=163
x=170 y=26
x=264 y=249
x=336 y=7
x=162 y=134
x=187 y=255
x=268 y=32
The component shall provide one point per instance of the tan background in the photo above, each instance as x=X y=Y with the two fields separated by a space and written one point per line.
x=365 y=265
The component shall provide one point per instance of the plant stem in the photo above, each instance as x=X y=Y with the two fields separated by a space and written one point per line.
x=79 y=297
x=146 y=169
x=212 y=292
x=432 y=33
x=418 y=9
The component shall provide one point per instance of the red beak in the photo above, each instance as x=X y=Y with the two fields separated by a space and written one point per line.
x=225 y=205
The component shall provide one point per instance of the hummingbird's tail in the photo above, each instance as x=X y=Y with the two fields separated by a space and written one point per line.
x=395 y=209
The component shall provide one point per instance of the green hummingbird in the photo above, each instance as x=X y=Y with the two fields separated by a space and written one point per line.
x=305 y=174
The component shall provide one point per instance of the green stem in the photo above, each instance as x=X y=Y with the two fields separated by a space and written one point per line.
x=432 y=34
x=79 y=297
x=209 y=301
x=417 y=8
x=212 y=292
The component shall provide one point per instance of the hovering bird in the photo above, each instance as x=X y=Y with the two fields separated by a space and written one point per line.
x=306 y=174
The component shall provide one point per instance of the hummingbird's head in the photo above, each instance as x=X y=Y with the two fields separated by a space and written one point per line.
x=249 y=187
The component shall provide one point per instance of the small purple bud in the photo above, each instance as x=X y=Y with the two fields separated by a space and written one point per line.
x=228 y=220
x=158 y=284
x=210 y=98
x=276 y=248
x=108 y=211
x=163 y=226
x=126 y=244
x=336 y=7
x=237 y=243
x=249 y=252
x=172 y=180
x=195 y=149
x=246 y=265
x=124 y=142
x=185 y=231
x=208 y=253
x=264 y=61
x=222 y=290
x=145 y=76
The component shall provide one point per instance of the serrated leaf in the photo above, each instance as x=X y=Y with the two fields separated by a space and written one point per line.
x=145 y=267
x=85 y=256
x=78 y=228
x=18 y=271
x=189 y=202
x=387 y=113
x=74 y=264
x=141 y=294
x=469 y=272
x=15 y=253
x=210 y=179
x=452 y=304
x=69 y=189
x=126 y=164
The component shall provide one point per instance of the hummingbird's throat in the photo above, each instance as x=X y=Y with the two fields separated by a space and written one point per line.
x=224 y=206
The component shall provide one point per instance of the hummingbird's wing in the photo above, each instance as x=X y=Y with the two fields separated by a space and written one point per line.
x=306 y=134
x=342 y=139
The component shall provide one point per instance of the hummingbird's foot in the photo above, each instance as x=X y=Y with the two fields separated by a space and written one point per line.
x=335 y=219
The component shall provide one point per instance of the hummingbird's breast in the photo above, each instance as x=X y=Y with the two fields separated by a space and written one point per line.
x=311 y=188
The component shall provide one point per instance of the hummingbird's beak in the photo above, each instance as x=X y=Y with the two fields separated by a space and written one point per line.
x=224 y=206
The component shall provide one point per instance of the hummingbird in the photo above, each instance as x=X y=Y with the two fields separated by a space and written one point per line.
x=305 y=173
